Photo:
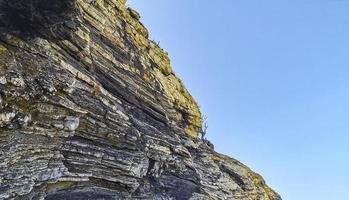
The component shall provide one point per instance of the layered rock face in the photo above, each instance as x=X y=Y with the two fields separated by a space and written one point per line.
x=91 y=109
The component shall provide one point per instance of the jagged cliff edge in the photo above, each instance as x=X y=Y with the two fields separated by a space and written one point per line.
x=90 y=108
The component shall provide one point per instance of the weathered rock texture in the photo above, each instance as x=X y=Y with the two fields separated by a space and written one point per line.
x=91 y=109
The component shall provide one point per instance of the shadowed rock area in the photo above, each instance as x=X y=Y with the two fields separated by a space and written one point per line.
x=91 y=109
x=29 y=17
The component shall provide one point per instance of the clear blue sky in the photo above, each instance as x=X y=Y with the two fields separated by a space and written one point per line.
x=273 y=79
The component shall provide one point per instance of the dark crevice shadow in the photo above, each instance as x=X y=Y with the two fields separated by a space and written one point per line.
x=29 y=19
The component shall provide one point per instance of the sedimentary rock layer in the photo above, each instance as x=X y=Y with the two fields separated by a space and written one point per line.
x=91 y=109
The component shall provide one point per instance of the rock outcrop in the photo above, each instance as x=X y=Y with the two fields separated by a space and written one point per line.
x=91 y=109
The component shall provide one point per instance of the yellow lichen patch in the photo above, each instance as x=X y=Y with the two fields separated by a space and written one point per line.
x=161 y=60
x=2 y=49
x=141 y=40
x=142 y=30
x=138 y=38
x=259 y=182
x=195 y=119
x=268 y=191
x=179 y=116
x=134 y=14
x=146 y=78
x=111 y=137
x=191 y=131
x=83 y=34
x=101 y=4
x=132 y=18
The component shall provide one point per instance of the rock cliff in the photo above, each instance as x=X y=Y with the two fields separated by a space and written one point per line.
x=91 y=109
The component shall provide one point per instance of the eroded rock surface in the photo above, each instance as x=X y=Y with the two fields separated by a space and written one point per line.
x=91 y=109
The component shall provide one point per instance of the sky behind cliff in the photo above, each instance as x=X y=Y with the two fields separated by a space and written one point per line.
x=272 y=78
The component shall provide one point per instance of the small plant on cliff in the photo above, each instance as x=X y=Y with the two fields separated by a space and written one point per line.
x=204 y=127
x=157 y=43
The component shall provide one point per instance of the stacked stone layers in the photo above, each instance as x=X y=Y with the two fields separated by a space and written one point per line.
x=91 y=109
